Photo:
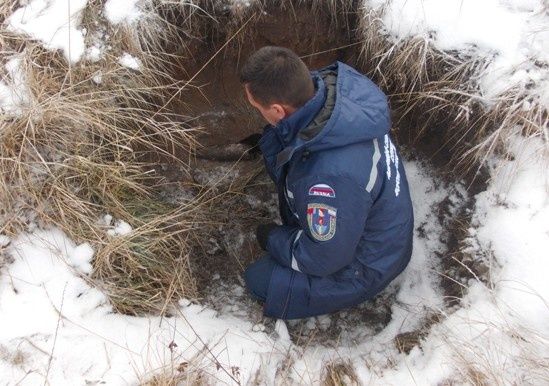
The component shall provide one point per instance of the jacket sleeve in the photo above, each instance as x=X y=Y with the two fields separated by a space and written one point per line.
x=332 y=214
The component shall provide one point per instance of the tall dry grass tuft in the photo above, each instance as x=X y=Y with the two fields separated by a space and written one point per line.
x=340 y=373
x=193 y=379
x=503 y=352
x=85 y=143
x=436 y=93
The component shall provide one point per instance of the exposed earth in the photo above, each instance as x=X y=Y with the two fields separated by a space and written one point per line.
x=230 y=169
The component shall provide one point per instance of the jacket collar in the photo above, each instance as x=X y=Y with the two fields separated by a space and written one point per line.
x=288 y=127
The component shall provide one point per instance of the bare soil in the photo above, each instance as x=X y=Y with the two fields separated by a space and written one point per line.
x=246 y=195
x=219 y=103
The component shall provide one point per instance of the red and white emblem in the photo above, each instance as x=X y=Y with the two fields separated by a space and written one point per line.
x=322 y=190
x=322 y=221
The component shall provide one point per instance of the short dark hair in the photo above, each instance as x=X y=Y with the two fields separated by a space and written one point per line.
x=277 y=75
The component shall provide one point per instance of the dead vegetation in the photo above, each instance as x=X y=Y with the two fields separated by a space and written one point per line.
x=340 y=374
x=179 y=377
x=86 y=145
x=90 y=141
x=436 y=94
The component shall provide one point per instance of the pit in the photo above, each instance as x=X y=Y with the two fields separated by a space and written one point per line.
x=242 y=195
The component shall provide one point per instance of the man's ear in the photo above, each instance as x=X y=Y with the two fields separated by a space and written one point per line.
x=279 y=111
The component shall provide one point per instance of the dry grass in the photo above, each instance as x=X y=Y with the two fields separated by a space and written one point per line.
x=436 y=93
x=340 y=374
x=82 y=149
x=183 y=377
x=86 y=145
x=501 y=354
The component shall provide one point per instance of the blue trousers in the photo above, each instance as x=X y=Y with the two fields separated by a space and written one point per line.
x=258 y=277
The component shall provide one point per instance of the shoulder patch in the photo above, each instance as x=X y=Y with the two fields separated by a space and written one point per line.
x=322 y=221
x=322 y=190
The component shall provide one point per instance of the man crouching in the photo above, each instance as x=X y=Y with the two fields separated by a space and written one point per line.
x=347 y=218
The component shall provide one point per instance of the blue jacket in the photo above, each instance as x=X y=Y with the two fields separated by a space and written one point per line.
x=343 y=196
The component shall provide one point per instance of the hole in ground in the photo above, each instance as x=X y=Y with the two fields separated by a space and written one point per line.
x=248 y=197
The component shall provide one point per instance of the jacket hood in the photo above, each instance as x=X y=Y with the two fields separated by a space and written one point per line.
x=347 y=108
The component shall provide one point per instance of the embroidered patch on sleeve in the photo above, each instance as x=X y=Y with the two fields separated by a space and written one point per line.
x=322 y=190
x=322 y=221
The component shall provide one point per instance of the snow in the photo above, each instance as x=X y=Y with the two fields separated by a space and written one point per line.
x=15 y=95
x=121 y=228
x=514 y=222
x=49 y=276
x=118 y=228
x=57 y=326
x=97 y=78
x=513 y=32
x=4 y=241
x=48 y=309
x=118 y=11
x=94 y=53
x=130 y=61
x=53 y=22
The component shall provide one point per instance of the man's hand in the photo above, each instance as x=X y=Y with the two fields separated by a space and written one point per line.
x=252 y=143
x=262 y=234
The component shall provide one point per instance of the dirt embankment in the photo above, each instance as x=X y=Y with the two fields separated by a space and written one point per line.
x=216 y=102
x=219 y=101
x=245 y=196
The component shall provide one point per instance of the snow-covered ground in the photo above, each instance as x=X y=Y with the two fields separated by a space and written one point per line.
x=57 y=328
x=55 y=325
x=512 y=34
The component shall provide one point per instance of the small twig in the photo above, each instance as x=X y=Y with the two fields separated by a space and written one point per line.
x=56 y=332
x=333 y=49
x=205 y=346
x=30 y=342
x=90 y=331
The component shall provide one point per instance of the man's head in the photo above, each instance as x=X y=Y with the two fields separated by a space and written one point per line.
x=277 y=82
